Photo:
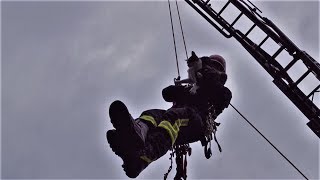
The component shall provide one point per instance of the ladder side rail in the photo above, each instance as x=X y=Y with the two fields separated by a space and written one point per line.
x=222 y=22
x=277 y=38
x=307 y=107
x=210 y=21
x=297 y=97
x=268 y=62
x=310 y=62
x=262 y=25
x=280 y=38
x=233 y=32
x=258 y=53
x=293 y=93
x=213 y=14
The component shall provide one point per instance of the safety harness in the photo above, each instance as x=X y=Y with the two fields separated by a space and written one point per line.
x=210 y=128
x=181 y=152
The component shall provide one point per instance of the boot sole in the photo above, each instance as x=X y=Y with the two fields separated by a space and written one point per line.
x=134 y=167
x=122 y=122
x=114 y=141
x=119 y=114
x=125 y=153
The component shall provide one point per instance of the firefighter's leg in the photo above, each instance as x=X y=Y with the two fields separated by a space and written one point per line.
x=128 y=138
x=164 y=128
x=136 y=161
x=185 y=122
x=152 y=117
x=157 y=144
x=161 y=138
x=176 y=118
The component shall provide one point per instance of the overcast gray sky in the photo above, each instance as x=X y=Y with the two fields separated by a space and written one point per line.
x=63 y=63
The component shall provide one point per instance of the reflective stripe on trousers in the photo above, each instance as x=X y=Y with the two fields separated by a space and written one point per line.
x=173 y=130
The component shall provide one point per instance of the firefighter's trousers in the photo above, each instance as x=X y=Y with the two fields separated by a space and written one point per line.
x=183 y=125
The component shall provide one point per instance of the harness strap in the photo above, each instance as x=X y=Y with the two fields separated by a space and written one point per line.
x=181 y=152
x=170 y=167
x=207 y=151
x=215 y=139
x=206 y=141
x=185 y=163
x=179 y=162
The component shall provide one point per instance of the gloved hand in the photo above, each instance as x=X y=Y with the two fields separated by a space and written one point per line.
x=199 y=75
x=177 y=81
x=194 y=89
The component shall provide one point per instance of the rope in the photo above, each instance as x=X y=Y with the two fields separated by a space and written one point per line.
x=181 y=160
x=184 y=42
x=181 y=152
x=170 y=167
x=174 y=40
x=268 y=141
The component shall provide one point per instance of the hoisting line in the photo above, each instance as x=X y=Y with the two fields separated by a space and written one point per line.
x=268 y=141
x=174 y=40
x=184 y=42
x=173 y=35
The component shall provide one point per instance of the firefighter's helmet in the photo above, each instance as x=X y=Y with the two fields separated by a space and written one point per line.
x=218 y=62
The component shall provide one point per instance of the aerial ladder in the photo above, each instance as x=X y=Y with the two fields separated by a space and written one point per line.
x=305 y=102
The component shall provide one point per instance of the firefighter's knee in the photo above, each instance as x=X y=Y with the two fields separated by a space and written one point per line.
x=152 y=117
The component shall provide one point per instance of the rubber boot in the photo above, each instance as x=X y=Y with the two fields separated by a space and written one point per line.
x=134 y=131
x=129 y=135
x=157 y=144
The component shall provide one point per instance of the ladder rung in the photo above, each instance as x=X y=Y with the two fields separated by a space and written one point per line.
x=313 y=91
x=263 y=41
x=207 y=2
x=291 y=64
x=250 y=30
x=278 y=52
x=302 y=77
x=283 y=74
x=236 y=19
x=223 y=8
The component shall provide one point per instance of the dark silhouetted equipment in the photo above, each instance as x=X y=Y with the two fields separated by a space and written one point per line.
x=269 y=61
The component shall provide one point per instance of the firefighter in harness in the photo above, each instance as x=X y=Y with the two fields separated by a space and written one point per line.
x=191 y=118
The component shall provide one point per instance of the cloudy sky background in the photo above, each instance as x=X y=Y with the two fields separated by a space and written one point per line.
x=63 y=63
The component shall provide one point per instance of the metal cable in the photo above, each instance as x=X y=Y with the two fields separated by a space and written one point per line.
x=268 y=141
x=174 y=39
x=184 y=42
